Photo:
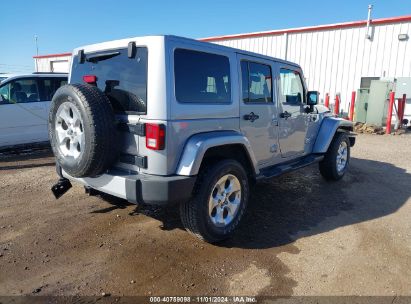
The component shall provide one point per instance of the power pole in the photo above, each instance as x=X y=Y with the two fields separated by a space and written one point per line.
x=37 y=50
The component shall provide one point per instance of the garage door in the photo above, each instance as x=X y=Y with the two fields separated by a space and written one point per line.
x=61 y=66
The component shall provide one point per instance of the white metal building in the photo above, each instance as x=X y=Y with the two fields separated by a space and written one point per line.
x=334 y=57
x=52 y=63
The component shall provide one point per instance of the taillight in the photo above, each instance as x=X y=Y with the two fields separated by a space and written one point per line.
x=91 y=79
x=155 y=136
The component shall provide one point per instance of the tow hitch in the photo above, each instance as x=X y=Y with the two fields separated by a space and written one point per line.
x=61 y=187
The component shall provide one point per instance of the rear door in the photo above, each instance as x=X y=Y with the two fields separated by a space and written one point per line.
x=124 y=81
x=258 y=112
x=59 y=66
x=293 y=119
x=23 y=118
x=48 y=86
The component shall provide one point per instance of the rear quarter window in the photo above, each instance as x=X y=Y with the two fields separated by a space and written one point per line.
x=49 y=86
x=122 y=79
x=201 y=77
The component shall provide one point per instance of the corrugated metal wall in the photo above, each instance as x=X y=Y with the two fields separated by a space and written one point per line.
x=335 y=60
x=58 y=64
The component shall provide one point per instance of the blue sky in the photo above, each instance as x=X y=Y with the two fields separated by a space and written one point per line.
x=64 y=25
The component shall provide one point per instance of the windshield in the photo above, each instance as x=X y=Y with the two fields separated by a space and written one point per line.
x=122 y=79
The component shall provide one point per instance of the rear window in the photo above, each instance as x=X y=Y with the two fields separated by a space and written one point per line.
x=122 y=79
x=201 y=77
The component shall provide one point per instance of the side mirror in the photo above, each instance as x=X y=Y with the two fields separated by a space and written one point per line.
x=312 y=98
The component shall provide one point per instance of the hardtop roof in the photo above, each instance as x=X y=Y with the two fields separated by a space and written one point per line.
x=113 y=44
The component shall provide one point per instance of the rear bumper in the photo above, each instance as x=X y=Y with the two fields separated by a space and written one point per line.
x=141 y=188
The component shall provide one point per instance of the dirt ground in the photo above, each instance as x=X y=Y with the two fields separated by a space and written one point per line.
x=301 y=235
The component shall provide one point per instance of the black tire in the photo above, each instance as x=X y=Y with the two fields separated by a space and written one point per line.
x=328 y=166
x=131 y=102
x=194 y=213
x=98 y=124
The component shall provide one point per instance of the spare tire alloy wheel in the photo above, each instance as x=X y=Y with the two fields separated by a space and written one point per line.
x=82 y=129
x=69 y=130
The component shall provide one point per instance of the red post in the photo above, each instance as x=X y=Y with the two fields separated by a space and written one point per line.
x=400 y=110
x=389 y=114
x=337 y=105
x=352 y=105
x=327 y=100
x=403 y=103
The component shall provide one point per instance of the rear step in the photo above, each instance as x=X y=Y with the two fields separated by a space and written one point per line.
x=280 y=169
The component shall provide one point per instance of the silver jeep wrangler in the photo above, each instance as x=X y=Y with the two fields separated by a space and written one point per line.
x=165 y=119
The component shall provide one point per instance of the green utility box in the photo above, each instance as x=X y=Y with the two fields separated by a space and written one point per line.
x=403 y=86
x=378 y=102
x=361 y=104
x=372 y=101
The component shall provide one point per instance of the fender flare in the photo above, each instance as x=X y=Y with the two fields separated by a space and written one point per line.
x=328 y=128
x=197 y=146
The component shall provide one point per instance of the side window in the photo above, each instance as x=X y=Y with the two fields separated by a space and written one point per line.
x=245 y=81
x=48 y=89
x=201 y=77
x=256 y=82
x=291 y=87
x=50 y=86
x=58 y=82
x=61 y=82
x=24 y=90
x=5 y=94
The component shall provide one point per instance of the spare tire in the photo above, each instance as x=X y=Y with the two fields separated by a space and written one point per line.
x=129 y=101
x=82 y=130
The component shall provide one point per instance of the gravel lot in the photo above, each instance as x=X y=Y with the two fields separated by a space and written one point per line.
x=301 y=235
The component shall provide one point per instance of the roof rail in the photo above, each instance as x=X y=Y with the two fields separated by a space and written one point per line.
x=49 y=73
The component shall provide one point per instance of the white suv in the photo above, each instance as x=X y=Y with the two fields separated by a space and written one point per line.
x=24 y=106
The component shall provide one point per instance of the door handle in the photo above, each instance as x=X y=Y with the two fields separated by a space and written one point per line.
x=251 y=117
x=285 y=115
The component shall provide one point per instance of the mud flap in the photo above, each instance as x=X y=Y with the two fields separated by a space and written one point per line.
x=61 y=187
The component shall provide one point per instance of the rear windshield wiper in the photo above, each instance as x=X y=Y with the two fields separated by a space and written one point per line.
x=101 y=57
